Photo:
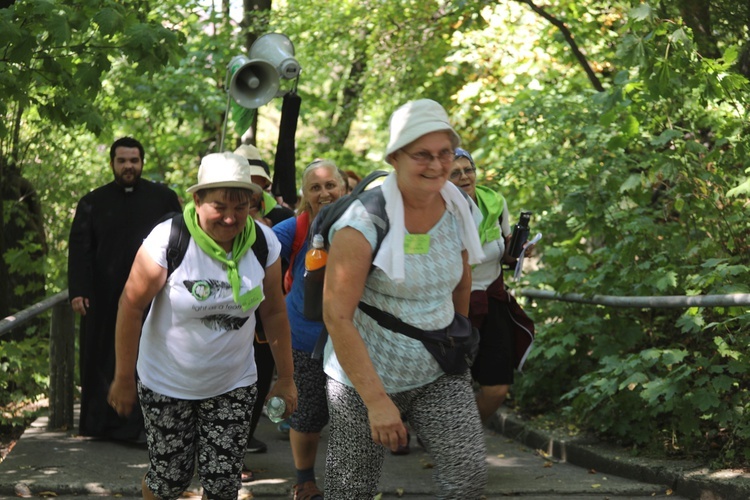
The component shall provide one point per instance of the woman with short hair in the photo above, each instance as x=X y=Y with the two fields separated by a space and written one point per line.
x=194 y=357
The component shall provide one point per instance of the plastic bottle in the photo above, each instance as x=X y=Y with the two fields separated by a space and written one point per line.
x=315 y=264
x=316 y=257
x=275 y=408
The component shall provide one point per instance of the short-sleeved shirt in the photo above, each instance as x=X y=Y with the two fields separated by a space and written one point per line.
x=487 y=271
x=424 y=300
x=197 y=342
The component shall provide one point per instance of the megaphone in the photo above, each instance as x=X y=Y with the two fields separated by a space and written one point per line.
x=278 y=50
x=254 y=81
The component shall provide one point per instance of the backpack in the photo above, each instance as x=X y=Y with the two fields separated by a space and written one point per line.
x=374 y=202
x=300 y=235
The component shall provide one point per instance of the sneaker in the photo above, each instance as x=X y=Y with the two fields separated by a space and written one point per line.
x=256 y=446
x=307 y=491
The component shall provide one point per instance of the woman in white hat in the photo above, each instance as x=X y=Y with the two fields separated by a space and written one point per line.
x=422 y=276
x=194 y=357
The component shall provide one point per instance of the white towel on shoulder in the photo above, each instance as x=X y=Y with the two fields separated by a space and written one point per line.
x=390 y=257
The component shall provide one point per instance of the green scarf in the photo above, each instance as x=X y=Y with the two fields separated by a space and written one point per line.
x=241 y=244
x=491 y=205
x=268 y=202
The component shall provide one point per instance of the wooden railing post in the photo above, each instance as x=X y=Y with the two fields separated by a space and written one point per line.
x=61 y=366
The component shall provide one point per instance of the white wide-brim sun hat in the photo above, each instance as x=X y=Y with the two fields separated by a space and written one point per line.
x=224 y=170
x=415 y=119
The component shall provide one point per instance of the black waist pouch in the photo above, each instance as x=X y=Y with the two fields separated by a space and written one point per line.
x=453 y=347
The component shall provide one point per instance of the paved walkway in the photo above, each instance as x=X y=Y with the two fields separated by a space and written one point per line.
x=523 y=463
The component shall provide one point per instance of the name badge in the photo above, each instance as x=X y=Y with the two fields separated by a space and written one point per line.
x=416 y=243
x=250 y=299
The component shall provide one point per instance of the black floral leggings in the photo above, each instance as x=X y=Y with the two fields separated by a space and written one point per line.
x=214 y=430
x=443 y=414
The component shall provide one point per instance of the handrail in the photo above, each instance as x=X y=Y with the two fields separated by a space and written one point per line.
x=655 y=302
x=14 y=321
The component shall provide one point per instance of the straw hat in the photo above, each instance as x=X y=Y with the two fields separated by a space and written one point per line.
x=257 y=165
x=225 y=170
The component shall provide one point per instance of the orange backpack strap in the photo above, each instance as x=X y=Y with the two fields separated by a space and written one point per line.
x=300 y=235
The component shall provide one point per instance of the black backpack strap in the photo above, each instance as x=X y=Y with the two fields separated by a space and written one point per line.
x=179 y=239
x=260 y=246
x=374 y=202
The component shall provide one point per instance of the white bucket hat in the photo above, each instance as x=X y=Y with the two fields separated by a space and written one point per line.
x=257 y=165
x=415 y=119
x=224 y=170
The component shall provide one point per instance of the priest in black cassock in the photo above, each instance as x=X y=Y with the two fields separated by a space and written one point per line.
x=109 y=225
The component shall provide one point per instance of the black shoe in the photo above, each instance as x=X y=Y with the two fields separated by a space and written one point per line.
x=256 y=446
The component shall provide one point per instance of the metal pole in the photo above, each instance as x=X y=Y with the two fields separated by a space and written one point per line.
x=667 y=301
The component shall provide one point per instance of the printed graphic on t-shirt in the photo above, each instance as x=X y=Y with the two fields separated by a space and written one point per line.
x=203 y=289
x=218 y=291
x=223 y=322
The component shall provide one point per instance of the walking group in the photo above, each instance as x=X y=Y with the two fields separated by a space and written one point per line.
x=193 y=316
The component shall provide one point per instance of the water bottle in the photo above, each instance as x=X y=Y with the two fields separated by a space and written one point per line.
x=275 y=408
x=520 y=235
x=315 y=268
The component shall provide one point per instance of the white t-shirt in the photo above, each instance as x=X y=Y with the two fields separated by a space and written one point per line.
x=487 y=271
x=197 y=342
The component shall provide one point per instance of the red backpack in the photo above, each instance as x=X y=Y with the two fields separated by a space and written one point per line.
x=300 y=235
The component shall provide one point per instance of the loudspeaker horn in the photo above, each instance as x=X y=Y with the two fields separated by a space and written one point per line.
x=277 y=49
x=254 y=81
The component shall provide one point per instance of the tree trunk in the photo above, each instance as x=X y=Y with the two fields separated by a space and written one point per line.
x=349 y=104
x=697 y=15
x=255 y=22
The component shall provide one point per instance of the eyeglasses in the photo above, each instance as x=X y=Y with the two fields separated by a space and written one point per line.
x=424 y=158
x=468 y=172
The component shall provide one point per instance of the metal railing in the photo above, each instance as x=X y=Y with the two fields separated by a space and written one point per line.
x=62 y=333
x=655 y=302
x=61 y=354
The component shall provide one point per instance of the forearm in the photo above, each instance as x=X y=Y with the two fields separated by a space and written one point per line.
x=127 y=338
x=354 y=358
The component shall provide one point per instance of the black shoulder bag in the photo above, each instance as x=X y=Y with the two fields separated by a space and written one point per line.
x=453 y=347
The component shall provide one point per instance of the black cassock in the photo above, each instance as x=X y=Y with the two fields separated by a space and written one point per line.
x=109 y=226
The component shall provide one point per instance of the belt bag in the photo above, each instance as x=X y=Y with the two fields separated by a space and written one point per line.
x=453 y=347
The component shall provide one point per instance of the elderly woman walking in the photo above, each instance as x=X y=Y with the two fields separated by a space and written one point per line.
x=422 y=276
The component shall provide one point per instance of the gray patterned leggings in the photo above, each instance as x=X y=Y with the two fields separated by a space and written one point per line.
x=443 y=414
x=214 y=430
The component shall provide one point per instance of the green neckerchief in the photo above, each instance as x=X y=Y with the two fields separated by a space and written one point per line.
x=491 y=205
x=241 y=244
x=268 y=202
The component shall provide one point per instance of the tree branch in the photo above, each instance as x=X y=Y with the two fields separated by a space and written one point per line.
x=571 y=42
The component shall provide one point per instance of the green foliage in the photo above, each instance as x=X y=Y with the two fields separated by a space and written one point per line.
x=24 y=375
x=636 y=190
x=639 y=190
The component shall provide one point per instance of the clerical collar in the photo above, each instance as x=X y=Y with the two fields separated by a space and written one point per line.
x=128 y=189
